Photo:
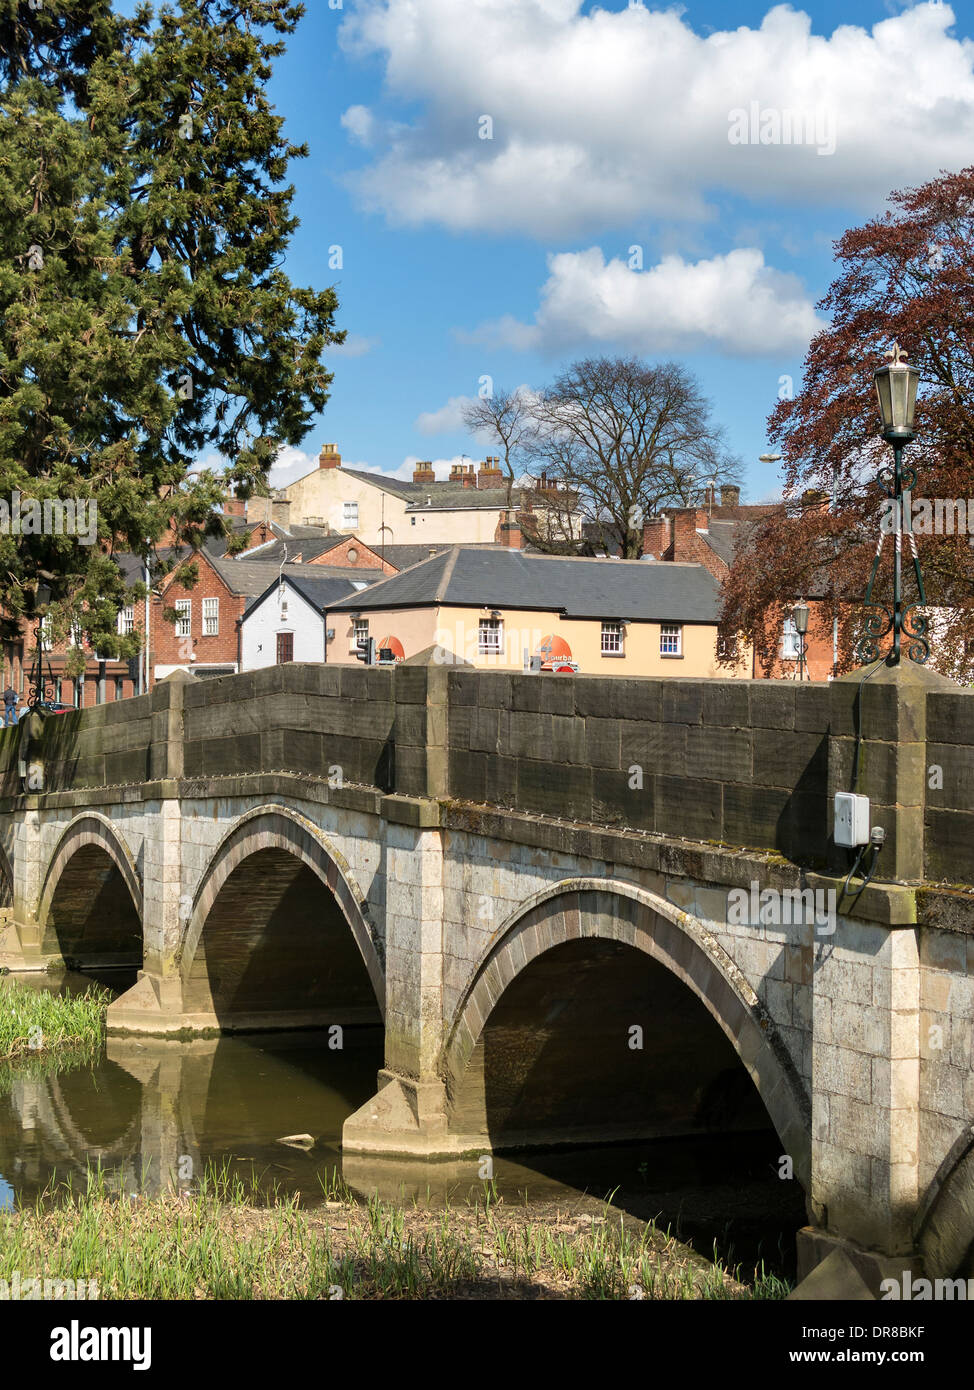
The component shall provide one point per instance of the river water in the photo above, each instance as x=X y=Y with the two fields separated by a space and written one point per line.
x=153 y=1114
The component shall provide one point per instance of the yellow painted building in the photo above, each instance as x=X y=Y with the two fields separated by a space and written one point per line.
x=381 y=510
x=603 y=617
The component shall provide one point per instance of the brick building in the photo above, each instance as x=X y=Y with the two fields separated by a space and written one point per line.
x=709 y=534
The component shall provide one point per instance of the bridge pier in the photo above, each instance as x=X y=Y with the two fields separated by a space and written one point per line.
x=21 y=942
x=307 y=838
x=408 y=1113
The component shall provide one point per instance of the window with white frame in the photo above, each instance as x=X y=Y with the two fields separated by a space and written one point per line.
x=77 y=635
x=349 y=513
x=126 y=620
x=44 y=633
x=671 y=639
x=489 y=636
x=184 y=616
x=612 y=636
x=790 y=649
x=361 y=629
x=211 y=617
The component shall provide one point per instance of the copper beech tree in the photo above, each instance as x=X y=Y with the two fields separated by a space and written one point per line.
x=907 y=276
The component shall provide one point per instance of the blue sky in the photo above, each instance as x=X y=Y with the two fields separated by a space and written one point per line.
x=465 y=257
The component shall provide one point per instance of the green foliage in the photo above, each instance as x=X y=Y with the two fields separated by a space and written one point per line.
x=145 y=318
x=37 y=1021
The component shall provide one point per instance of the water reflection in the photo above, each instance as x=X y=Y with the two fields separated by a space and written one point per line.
x=154 y=1113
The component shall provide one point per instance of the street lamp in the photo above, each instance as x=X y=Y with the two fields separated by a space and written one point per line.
x=38 y=690
x=896 y=392
x=799 y=615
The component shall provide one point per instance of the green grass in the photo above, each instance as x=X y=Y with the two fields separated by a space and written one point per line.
x=35 y=1021
x=220 y=1242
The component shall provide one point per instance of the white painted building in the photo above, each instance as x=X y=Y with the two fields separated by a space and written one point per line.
x=287 y=621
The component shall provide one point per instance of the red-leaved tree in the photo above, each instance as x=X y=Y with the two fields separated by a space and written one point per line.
x=907 y=276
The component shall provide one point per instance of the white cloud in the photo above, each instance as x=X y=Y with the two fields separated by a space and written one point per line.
x=733 y=304
x=291 y=464
x=360 y=124
x=603 y=117
x=446 y=420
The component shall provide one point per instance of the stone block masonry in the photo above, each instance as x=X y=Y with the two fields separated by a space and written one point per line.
x=471 y=832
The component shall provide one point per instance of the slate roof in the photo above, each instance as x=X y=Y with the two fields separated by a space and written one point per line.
x=456 y=497
x=578 y=588
x=322 y=590
x=723 y=536
x=399 y=487
x=253 y=577
x=403 y=556
x=300 y=550
x=446 y=495
x=217 y=545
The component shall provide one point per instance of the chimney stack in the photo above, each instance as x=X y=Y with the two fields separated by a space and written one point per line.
x=490 y=473
x=710 y=496
x=730 y=495
x=686 y=522
x=656 y=536
x=423 y=472
x=329 y=456
x=235 y=506
x=463 y=473
x=508 y=531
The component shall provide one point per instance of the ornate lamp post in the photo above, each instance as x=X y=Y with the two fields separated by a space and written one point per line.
x=799 y=616
x=38 y=688
x=896 y=389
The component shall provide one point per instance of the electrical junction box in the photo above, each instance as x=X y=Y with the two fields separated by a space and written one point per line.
x=851 y=820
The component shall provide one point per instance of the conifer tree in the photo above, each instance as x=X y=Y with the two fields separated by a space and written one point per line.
x=146 y=317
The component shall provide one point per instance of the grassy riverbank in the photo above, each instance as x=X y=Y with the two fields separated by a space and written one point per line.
x=34 y=1021
x=218 y=1243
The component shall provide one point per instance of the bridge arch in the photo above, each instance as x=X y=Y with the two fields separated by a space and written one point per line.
x=90 y=901
x=944 y=1225
x=275 y=833
x=614 y=911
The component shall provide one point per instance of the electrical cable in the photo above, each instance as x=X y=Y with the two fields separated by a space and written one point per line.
x=876 y=848
x=876 y=845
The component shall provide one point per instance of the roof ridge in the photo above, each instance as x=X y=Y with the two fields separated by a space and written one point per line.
x=447 y=574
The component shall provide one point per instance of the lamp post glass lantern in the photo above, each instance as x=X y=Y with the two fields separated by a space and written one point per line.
x=799 y=616
x=38 y=688
x=896 y=393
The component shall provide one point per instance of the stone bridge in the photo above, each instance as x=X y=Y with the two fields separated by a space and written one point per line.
x=534 y=886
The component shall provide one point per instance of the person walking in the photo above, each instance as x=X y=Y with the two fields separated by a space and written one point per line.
x=9 y=706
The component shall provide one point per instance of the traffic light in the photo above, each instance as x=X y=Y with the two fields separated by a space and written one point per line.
x=366 y=650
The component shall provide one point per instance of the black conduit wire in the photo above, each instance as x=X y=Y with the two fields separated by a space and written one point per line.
x=876 y=845
x=855 y=761
x=876 y=848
